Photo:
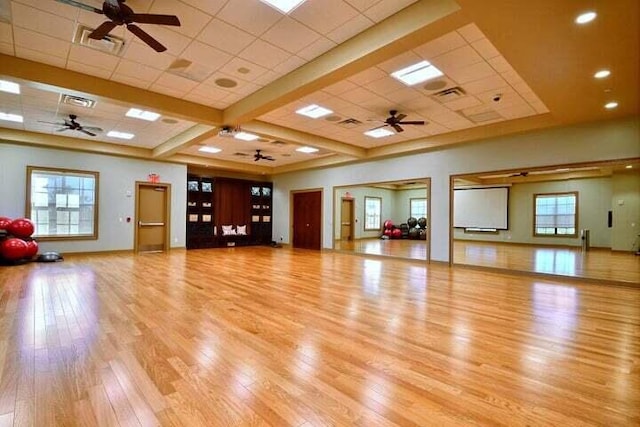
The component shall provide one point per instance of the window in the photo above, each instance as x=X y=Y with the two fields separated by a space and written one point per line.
x=417 y=208
x=62 y=204
x=372 y=213
x=556 y=214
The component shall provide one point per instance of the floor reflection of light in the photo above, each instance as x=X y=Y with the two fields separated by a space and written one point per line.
x=481 y=253
x=305 y=361
x=555 y=261
x=555 y=308
x=371 y=276
x=376 y=390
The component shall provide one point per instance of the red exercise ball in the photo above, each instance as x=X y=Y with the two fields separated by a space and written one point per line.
x=21 y=227
x=388 y=224
x=13 y=249
x=32 y=249
x=387 y=232
x=396 y=233
x=5 y=222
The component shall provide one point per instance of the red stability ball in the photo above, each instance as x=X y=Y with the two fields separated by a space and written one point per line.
x=21 y=227
x=5 y=222
x=32 y=248
x=396 y=233
x=387 y=232
x=388 y=224
x=13 y=249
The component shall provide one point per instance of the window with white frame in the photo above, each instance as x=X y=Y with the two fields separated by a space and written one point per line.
x=418 y=208
x=62 y=204
x=556 y=214
x=372 y=213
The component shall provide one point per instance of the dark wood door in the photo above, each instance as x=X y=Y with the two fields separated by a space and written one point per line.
x=307 y=220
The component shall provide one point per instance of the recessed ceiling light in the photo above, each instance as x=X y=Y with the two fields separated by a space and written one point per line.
x=207 y=149
x=602 y=74
x=9 y=87
x=586 y=17
x=245 y=136
x=284 y=6
x=629 y=167
x=307 y=150
x=611 y=105
x=314 y=111
x=417 y=73
x=149 y=116
x=120 y=135
x=378 y=133
x=11 y=117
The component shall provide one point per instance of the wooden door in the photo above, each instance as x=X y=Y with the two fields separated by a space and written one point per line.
x=307 y=220
x=346 y=219
x=152 y=217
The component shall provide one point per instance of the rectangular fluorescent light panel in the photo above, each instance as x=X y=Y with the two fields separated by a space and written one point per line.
x=307 y=150
x=245 y=136
x=9 y=87
x=149 y=116
x=378 y=133
x=284 y=6
x=207 y=149
x=417 y=73
x=11 y=117
x=314 y=111
x=121 y=135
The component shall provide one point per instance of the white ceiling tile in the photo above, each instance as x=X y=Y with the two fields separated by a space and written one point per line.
x=512 y=77
x=464 y=102
x=266 y=78
x=459 y=58
x=403 y=95
x=471 y=33
x=6 y=34
x=316 y=48
x=350 y=28
x=367 y=76
x=93 y=57
x=173 y=41
x=324 y=16
x=471 y=73
x=42 y=22
x=252 y=16
x=136 y=70
x=399 y=62
x=88 y=69
x=362 y=5
x=245 y=88
x=53 y=7
x=290 y=35
x=142 y=54
x=289 y=65
x=523 y=110
x=358 y=96
x=49 y=46
x=340 y=87
x=500 y=64
x=264 y=54
x=540 y=107
x=206 y=55
x=485 y=48
x=131 y=81
x=192 y=20
x=442 y=44
x=209 y=6
x=384 y=9
x=491 y=83
x=239 y=68
x=177 y=83
x=385 y=85
x=225 y=37
x=207 y=93
x=7 y=48
x=32 y=55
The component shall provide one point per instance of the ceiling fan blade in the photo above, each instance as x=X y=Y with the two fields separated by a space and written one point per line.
x=149 y=18
x=102 y=31
x=87 y=132
x=378 y=127
x=81 y=6
x=62 y=129
x=270 y=158
x=397 y=128
x=412 y=122
x=142 y=35
x=92 y=128
x=399 y=117
x=52 y=123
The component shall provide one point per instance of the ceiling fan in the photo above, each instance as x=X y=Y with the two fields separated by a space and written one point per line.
x=71 y=124
x=121 y=14
x=523 y=174
x=260 y=156
x=395 y=120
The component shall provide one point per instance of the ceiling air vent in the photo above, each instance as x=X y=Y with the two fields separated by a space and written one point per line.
x=483 y=116
x=109 y=44
x=78 y=101
x=450 y=94
x=350 y=123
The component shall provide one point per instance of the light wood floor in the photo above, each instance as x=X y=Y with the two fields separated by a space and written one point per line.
x=601 y=264
x=399 y=248
x=261 y=336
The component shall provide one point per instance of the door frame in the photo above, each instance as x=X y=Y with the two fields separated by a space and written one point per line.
x=167 y=234
x=307 y=190
x=352 y=217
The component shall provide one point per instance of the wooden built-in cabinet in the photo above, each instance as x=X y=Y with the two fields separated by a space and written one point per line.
x=215 y=204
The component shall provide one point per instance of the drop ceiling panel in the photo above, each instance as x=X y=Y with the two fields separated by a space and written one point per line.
x=42 y=22
x=264 y=54
x=383 y=9
x=252 y=16
x=325 y=16
x=280 y=35
x=46 y=45
x=225 y=37
x=192 y=20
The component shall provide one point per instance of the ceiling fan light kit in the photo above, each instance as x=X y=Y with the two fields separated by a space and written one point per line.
x=121 y=14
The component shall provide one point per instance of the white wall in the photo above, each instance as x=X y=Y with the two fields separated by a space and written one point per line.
x=358 y=194
x=557 y=146
x=117 y=176
x=402 y=202
x=594 y=203
x=626 y=212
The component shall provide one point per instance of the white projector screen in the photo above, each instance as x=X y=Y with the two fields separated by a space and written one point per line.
x=481 y=208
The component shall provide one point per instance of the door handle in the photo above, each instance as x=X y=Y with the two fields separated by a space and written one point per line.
x=346 y=223
x=150 y=224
